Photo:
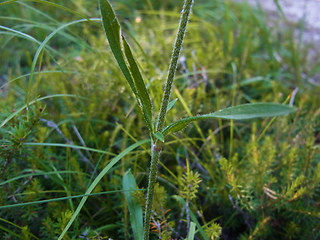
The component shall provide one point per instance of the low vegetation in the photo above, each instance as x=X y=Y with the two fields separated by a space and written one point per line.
x=76 y=138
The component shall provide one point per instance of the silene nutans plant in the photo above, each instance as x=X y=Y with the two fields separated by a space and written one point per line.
x=143 y=219
x=157 y=129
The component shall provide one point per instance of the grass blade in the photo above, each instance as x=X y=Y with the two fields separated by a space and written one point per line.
x=16 y=226
x=36 y=73
x=11 y=232
x=38 y=173
x=22 y=34
x=280 y=10
x=69 y=146
x=52 y=4
x=32 y=102
x=136 y=214
x=192 y=231
x=58 y=199
x=114 y=161
x=241 y=112
x=44 y=43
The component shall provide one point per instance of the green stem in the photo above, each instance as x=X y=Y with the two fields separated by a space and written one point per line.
x=156 y=146
x=155 y=155
x=174 y=61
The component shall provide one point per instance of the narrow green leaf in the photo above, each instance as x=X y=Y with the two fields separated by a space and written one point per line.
x=92 y=186
x=140 y=85
x=279 y=8
x=248 y=81
x=254 y=110
x=123 y=55
x=32 y=102
x=192 y=231
x=159 y=136
x=171 y=104
x=44 y=43
x=51 y=4
x=11 y=233
x=107 y=227
x=38 y=173
x=16 y=226
x=112 y=30
x=136 y=213
x=59 y=199
x=241 y=112
x=69 y=146
x=22 y=34
x=35 y=73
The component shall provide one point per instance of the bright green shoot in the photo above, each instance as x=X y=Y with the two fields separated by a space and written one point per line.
x=129 y=67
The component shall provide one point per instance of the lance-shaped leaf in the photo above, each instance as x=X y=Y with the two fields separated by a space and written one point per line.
x=159 y=136
x=112 y=29
x=241 y=112
x=136 y=213
x=139 y=83
x=122 y=53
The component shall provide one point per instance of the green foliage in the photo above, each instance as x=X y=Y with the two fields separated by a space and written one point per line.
x=241 y=112
x=270 y=185
x=135 y=209
x=189 y=185
x=81 y=115
x=213 y=231
x=123 y=55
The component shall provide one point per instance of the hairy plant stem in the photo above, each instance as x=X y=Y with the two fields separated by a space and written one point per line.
x=155 y=155
x=174 y=61
x=156 y=145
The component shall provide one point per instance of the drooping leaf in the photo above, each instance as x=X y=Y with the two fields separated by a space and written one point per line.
x=122 y=53
x=136 y=213
x=241 y=112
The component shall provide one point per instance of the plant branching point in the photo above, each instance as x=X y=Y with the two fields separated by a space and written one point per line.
x=156 y=146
